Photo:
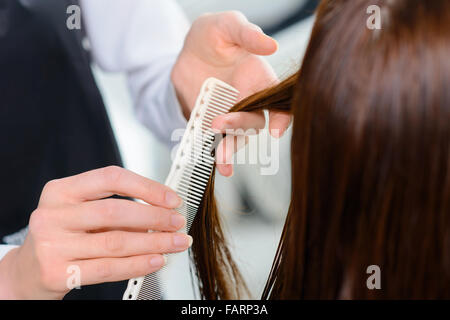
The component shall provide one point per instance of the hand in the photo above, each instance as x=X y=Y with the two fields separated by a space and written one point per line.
x=107 y=239
x=227 y=46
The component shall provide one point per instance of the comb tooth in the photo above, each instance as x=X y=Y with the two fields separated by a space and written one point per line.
x=222 y=103
x=200 y=184
x=193 y=202
x=222 y=96
x=202 y=159
x=196 y=168
x=209 y=117
x=192 y=196
x=213 y=111
x=185 y=186
x=204 y=144
x=227 y=91
x=224 y=100
x=202 y=181
x=207 y=159
x=202 y=175
x=206 y=129
x=199 y=150
x=206 y=170
x=204 y=136
x=222 y=109
x=182 y=211
x=205 y=167
x=219 y=107
x=195 y=207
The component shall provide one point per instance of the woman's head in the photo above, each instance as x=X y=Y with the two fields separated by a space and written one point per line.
x=370 y=154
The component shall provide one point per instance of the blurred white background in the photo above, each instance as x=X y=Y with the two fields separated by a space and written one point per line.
x=253 y=206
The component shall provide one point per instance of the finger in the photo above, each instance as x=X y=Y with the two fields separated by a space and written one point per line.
x=225 y=170
x=223 y=164
x=228 y=147
x=115 y=244
x=118 y=229
x=255 y=41
x=105 y=182
x=247 y=123
x=225 y=151
x=116 y=213
x=118 y=269
x=278 y=123
x=247 y=35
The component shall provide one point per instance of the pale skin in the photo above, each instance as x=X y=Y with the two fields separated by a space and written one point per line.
x=107 y=238
x=227 y=46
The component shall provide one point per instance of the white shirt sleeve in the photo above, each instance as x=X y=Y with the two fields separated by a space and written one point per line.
x=4 y=249
x=143 y=39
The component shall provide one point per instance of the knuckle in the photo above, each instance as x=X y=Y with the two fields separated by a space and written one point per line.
x=109 y=209
x=46 y=267
x=47 y=277
x=140 y=266
x=147 y=267
x=104 y=271
x=234 y=120
x=160 y=219
x=112 y=174
x=38 y=221
x=52 y=186
x=157 y=191
x=160 y=243
x=113 y=242
x=234 y=15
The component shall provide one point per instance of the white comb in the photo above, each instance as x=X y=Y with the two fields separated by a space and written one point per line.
x=189 y=174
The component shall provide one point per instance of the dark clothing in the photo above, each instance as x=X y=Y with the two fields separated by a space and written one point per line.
x=53 y=122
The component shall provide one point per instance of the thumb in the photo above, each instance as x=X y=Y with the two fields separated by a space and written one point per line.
x=247 y=35
x=253 y=39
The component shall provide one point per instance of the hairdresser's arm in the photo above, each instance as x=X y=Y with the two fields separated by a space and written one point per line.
x=227 y=46
x=141 y=38
x=76 y=231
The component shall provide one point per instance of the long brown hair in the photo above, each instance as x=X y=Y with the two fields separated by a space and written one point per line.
x=370 y=156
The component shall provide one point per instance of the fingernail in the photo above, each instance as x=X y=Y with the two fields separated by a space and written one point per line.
x=230 y=171
x=158 y=261
x=277 y=133
x=182 y=240
x=173 y=200
x=177 y=220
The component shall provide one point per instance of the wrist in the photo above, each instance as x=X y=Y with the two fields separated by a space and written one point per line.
x=19 y=284
x=178 y=77
x=8 y=287
x=187 y=76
